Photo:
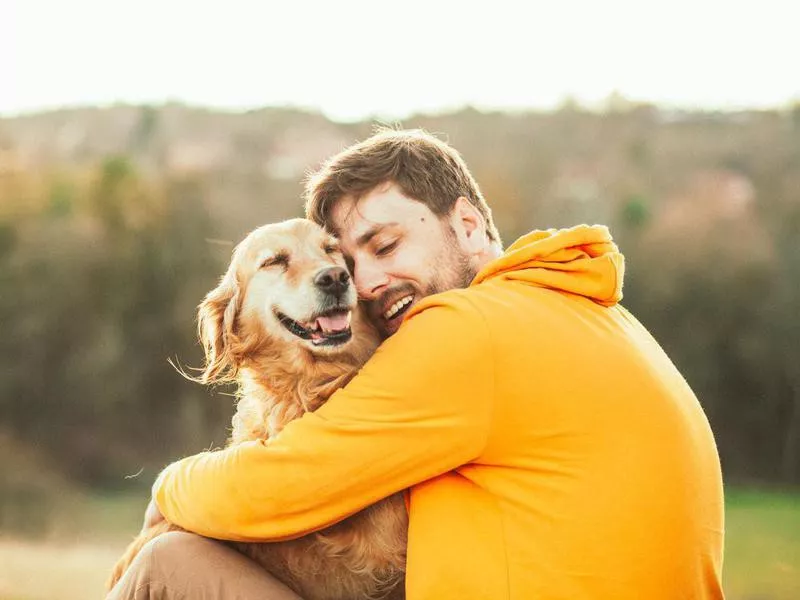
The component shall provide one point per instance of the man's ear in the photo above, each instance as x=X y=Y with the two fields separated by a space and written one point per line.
x=216 y=327
x=469 y=226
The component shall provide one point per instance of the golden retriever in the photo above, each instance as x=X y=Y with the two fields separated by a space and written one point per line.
x=285 y=325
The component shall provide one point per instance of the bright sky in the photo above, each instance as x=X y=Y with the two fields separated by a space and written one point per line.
x=354 y=59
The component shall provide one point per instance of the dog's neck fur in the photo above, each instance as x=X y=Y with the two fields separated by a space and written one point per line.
x=274 y=390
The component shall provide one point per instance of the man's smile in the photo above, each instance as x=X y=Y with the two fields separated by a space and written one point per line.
x=398 y=307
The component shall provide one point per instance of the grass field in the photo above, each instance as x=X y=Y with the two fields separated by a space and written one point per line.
x=762 y=555
x=762 y=550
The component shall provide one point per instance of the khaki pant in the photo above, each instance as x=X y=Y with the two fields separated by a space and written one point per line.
x=178 y=566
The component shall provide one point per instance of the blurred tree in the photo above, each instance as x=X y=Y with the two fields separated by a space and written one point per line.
x=61 y=198
x=794 y=112
x=146 y=128
x=90 y=381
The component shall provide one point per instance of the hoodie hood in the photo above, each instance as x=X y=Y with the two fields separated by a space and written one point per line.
x=582 y=260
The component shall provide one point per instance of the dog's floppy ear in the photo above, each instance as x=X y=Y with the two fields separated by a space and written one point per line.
x=216 y=327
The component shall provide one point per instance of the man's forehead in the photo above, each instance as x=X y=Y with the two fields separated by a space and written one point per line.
x=349 y=222
x=353 y=217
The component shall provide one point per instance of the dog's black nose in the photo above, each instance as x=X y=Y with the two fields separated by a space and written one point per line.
x=333 y=280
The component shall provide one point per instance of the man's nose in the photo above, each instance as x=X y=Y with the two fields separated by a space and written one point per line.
x=332 y=280
x=370 y=281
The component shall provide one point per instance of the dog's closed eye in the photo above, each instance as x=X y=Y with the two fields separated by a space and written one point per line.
x=279 y=259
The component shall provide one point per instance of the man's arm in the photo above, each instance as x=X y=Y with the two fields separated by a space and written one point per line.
x=420 y=407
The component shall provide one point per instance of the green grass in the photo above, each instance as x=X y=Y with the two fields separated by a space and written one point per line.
x=71 y=553
x=113 y=517
x=762 y=549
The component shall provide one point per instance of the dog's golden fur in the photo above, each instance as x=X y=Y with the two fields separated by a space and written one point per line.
x=280 y=377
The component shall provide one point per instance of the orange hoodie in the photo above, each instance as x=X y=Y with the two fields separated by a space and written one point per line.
x=552 y=449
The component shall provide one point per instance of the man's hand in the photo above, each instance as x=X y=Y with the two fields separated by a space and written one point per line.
x=152 y=516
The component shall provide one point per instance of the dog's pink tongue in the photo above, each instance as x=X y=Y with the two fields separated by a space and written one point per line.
x=337 y=322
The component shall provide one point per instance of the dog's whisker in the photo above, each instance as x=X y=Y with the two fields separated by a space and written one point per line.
x=181 y=369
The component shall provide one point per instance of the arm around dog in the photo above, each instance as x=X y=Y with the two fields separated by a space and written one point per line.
x=420 y=407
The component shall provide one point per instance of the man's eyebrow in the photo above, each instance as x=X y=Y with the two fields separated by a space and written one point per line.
x=370 y=233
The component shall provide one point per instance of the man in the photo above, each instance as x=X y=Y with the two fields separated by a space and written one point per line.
x=551 y=449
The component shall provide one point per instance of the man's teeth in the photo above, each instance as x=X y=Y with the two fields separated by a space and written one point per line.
x=395 y=308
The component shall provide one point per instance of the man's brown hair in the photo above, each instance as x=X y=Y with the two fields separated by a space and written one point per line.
x=423 y=167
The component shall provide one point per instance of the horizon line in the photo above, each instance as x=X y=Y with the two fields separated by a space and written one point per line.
x=605 y=106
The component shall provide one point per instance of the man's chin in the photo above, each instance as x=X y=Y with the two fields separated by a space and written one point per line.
x=389 y=328
x=383 y=328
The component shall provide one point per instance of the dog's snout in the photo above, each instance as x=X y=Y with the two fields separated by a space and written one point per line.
x=332 y=280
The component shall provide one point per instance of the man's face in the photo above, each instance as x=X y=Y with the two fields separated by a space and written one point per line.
x=399 y=252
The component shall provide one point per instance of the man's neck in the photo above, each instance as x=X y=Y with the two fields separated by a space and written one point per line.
x=493 y=251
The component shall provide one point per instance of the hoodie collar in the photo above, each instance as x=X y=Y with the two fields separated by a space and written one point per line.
x=582 y=260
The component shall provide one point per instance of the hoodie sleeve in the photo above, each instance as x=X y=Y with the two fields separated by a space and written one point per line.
x=420 y=407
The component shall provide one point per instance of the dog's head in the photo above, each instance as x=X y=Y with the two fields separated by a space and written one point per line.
x=288 y=289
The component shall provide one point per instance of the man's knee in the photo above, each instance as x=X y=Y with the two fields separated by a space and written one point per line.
x=157 y=567
x=169 y=555
x=185 y=565
x=160 y=564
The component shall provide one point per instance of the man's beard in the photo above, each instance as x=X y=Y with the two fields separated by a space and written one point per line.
x=454 y=270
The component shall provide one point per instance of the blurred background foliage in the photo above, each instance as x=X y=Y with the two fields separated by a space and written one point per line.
x=115 y=222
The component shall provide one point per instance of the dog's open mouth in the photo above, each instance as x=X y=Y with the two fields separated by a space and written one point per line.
x=331 y=328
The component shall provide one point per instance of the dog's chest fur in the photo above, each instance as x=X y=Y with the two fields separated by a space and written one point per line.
x=360 y=558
